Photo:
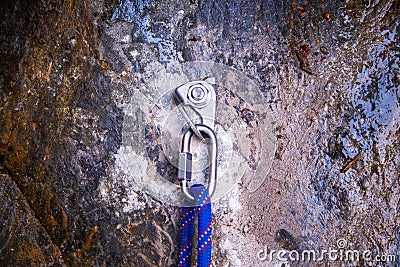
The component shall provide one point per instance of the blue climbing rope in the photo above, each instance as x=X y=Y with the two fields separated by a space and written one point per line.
x=204 y=229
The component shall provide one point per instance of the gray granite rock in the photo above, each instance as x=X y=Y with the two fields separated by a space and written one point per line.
x=308 y=118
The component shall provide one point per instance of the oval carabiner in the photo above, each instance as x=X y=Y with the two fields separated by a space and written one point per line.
x=185 y=161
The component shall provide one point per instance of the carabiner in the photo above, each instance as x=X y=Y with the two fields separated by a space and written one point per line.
x=185 y=161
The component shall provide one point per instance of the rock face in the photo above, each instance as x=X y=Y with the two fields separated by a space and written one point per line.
x=72 y=73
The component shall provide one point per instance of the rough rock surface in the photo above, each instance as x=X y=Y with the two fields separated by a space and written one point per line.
x=328 y=73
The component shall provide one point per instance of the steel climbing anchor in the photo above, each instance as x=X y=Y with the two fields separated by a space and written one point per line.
x=200 y=97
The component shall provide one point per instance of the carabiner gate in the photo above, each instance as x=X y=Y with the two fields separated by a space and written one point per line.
x=185 y=161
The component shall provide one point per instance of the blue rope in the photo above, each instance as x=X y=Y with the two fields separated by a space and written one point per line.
x=204 y=229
